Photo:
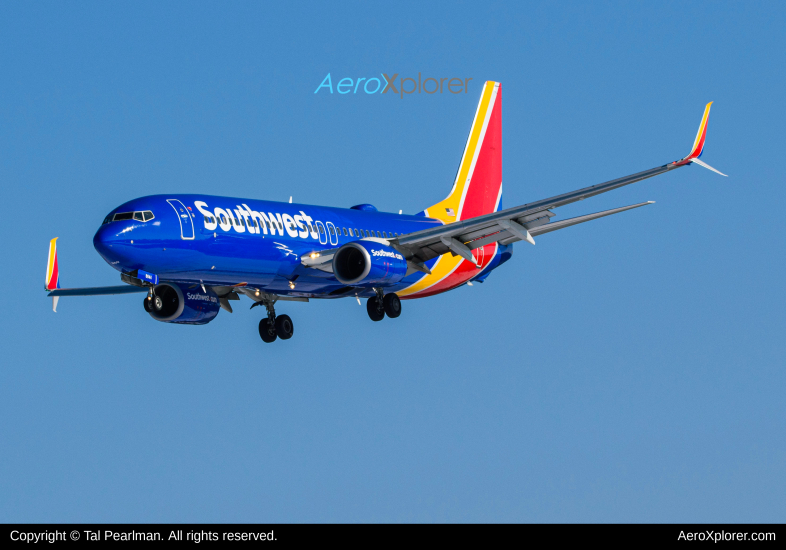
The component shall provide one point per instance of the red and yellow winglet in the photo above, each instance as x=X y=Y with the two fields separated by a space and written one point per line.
x=698 y=144
x=53 y=272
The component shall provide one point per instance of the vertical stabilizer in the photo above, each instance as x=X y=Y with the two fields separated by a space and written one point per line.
x=478 y=185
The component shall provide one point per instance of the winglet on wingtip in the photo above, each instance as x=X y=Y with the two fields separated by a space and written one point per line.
x=53 y=272
x=698 y=144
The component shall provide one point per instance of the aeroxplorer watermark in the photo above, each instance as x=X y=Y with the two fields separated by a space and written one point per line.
x=392 y=83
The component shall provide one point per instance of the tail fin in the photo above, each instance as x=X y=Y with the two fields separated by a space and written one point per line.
x=478 y=186
x=53 y=272
x=698 y=144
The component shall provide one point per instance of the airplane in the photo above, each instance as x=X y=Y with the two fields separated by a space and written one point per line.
x=194 y=254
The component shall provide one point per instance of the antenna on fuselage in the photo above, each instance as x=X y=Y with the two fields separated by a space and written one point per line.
x=290 y=199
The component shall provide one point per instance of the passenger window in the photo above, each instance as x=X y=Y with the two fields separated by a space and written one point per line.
x=331 y=231
x=344 y=229
x=356 y=233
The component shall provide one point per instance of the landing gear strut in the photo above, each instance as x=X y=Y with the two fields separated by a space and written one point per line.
x=149 y=300
x=377 y=306
x=275 y=326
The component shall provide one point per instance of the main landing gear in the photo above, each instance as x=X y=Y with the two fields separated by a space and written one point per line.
x=274 y=326
x=379 y=305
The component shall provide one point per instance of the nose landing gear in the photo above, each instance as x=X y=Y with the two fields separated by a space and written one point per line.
x=381 y=304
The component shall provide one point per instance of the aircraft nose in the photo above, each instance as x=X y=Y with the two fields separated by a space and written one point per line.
x=111 y=239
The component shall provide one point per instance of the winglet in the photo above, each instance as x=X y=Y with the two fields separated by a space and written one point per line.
x=53 y=272
x=698 y=144
x=701 y=135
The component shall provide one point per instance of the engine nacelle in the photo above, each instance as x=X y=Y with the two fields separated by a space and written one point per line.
x=368 y=263
x=173 y=303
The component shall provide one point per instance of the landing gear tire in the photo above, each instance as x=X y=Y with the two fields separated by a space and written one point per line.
x=148 y=305
x=392 y=305
x=376 y=310
x=284 y=327
x=267 y=331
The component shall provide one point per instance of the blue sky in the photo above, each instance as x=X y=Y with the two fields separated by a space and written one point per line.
x=628 y=369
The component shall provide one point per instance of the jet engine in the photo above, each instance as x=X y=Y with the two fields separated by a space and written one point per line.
x=173 y=303
x=368 y=263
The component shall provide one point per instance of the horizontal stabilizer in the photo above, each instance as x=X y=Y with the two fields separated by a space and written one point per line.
x=549 y=227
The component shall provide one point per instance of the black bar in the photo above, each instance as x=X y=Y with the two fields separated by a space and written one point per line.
x=395 y=534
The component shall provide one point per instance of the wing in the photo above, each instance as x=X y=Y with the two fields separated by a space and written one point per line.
x=528 y=220
x=97 y=291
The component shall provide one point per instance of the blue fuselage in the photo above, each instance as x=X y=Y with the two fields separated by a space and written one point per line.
x=226 y=241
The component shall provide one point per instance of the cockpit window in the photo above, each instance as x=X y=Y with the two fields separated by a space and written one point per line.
x=145 y=216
